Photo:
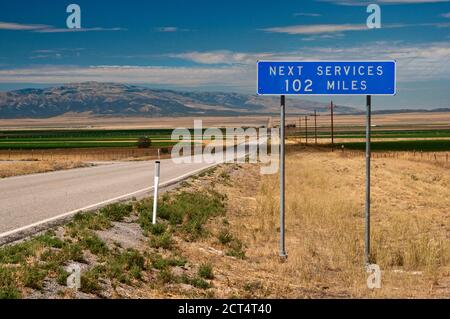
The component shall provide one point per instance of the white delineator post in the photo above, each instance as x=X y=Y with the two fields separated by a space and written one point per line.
x=155 y=194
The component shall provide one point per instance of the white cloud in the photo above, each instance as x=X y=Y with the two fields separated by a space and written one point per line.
x=55 y=53
x=61 y=30
x=325 y=36
x=311 y=29
x=317 y=28
x=422 y=62
x=171 y=29
x=42 y=28
x=220 y=57
x=173 y=76
x=307 y=14
x=57 y=50
x=21 y=27
x=42 y=56
x=414 y=62
x=44 y=51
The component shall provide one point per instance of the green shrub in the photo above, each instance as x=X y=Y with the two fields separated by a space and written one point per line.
x=236 y=249
x=33 y=277
x=90 y=281
x=116 y=212
x=166 y=276
x=205 y=271
x=157 y=229
x=89 y=284
x=200 y=283
x=49 y=239
x=73 y=252
x=95 y=244
x=225 y=237
x=158 y=262
x=91 y=221
x=144 y=142
x=8 y=288
x=192 y=210
x=180 y=261
x=17 y=253
x=162 y=241
x=126 y=265
x=62 y=276
x=10 y=292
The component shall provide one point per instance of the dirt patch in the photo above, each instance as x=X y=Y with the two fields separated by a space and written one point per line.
x=125 y=235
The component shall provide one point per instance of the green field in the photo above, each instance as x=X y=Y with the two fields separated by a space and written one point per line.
x=413 y=145
x=380 y=134
x=75 y=144
x=82 y=139
x=89 y=134
x=64 y=139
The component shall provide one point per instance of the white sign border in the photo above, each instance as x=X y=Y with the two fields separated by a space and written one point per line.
x=327 y=94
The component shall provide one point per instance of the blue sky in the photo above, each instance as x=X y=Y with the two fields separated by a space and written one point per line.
x=213 y=45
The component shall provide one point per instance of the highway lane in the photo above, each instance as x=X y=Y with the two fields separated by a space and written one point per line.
x=32 y=202
x=27 y=199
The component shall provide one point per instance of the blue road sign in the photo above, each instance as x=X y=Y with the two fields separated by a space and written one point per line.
x=326 y=77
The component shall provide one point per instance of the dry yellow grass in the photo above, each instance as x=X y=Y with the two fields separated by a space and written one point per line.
x=84 y=121
x=81 y=154
x=8 y=169
x=325 y=220
x=325 y=230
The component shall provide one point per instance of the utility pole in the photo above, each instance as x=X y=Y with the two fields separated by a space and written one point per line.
x=306 y=129
x=332 y=127
x=300 y=129
x=315 y=127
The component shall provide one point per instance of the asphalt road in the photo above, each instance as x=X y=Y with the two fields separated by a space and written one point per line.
x=29 y=203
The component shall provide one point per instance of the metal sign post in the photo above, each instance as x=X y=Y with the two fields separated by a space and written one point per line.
x=282 y=175
x=155 y=194
x=368 y=155
x=332 y=127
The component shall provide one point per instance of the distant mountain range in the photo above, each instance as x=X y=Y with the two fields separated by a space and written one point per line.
x=112 y=99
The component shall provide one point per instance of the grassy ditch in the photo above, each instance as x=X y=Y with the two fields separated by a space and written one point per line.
x=30 y=266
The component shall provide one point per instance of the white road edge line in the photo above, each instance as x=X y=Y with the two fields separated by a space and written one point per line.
x=90 y=207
